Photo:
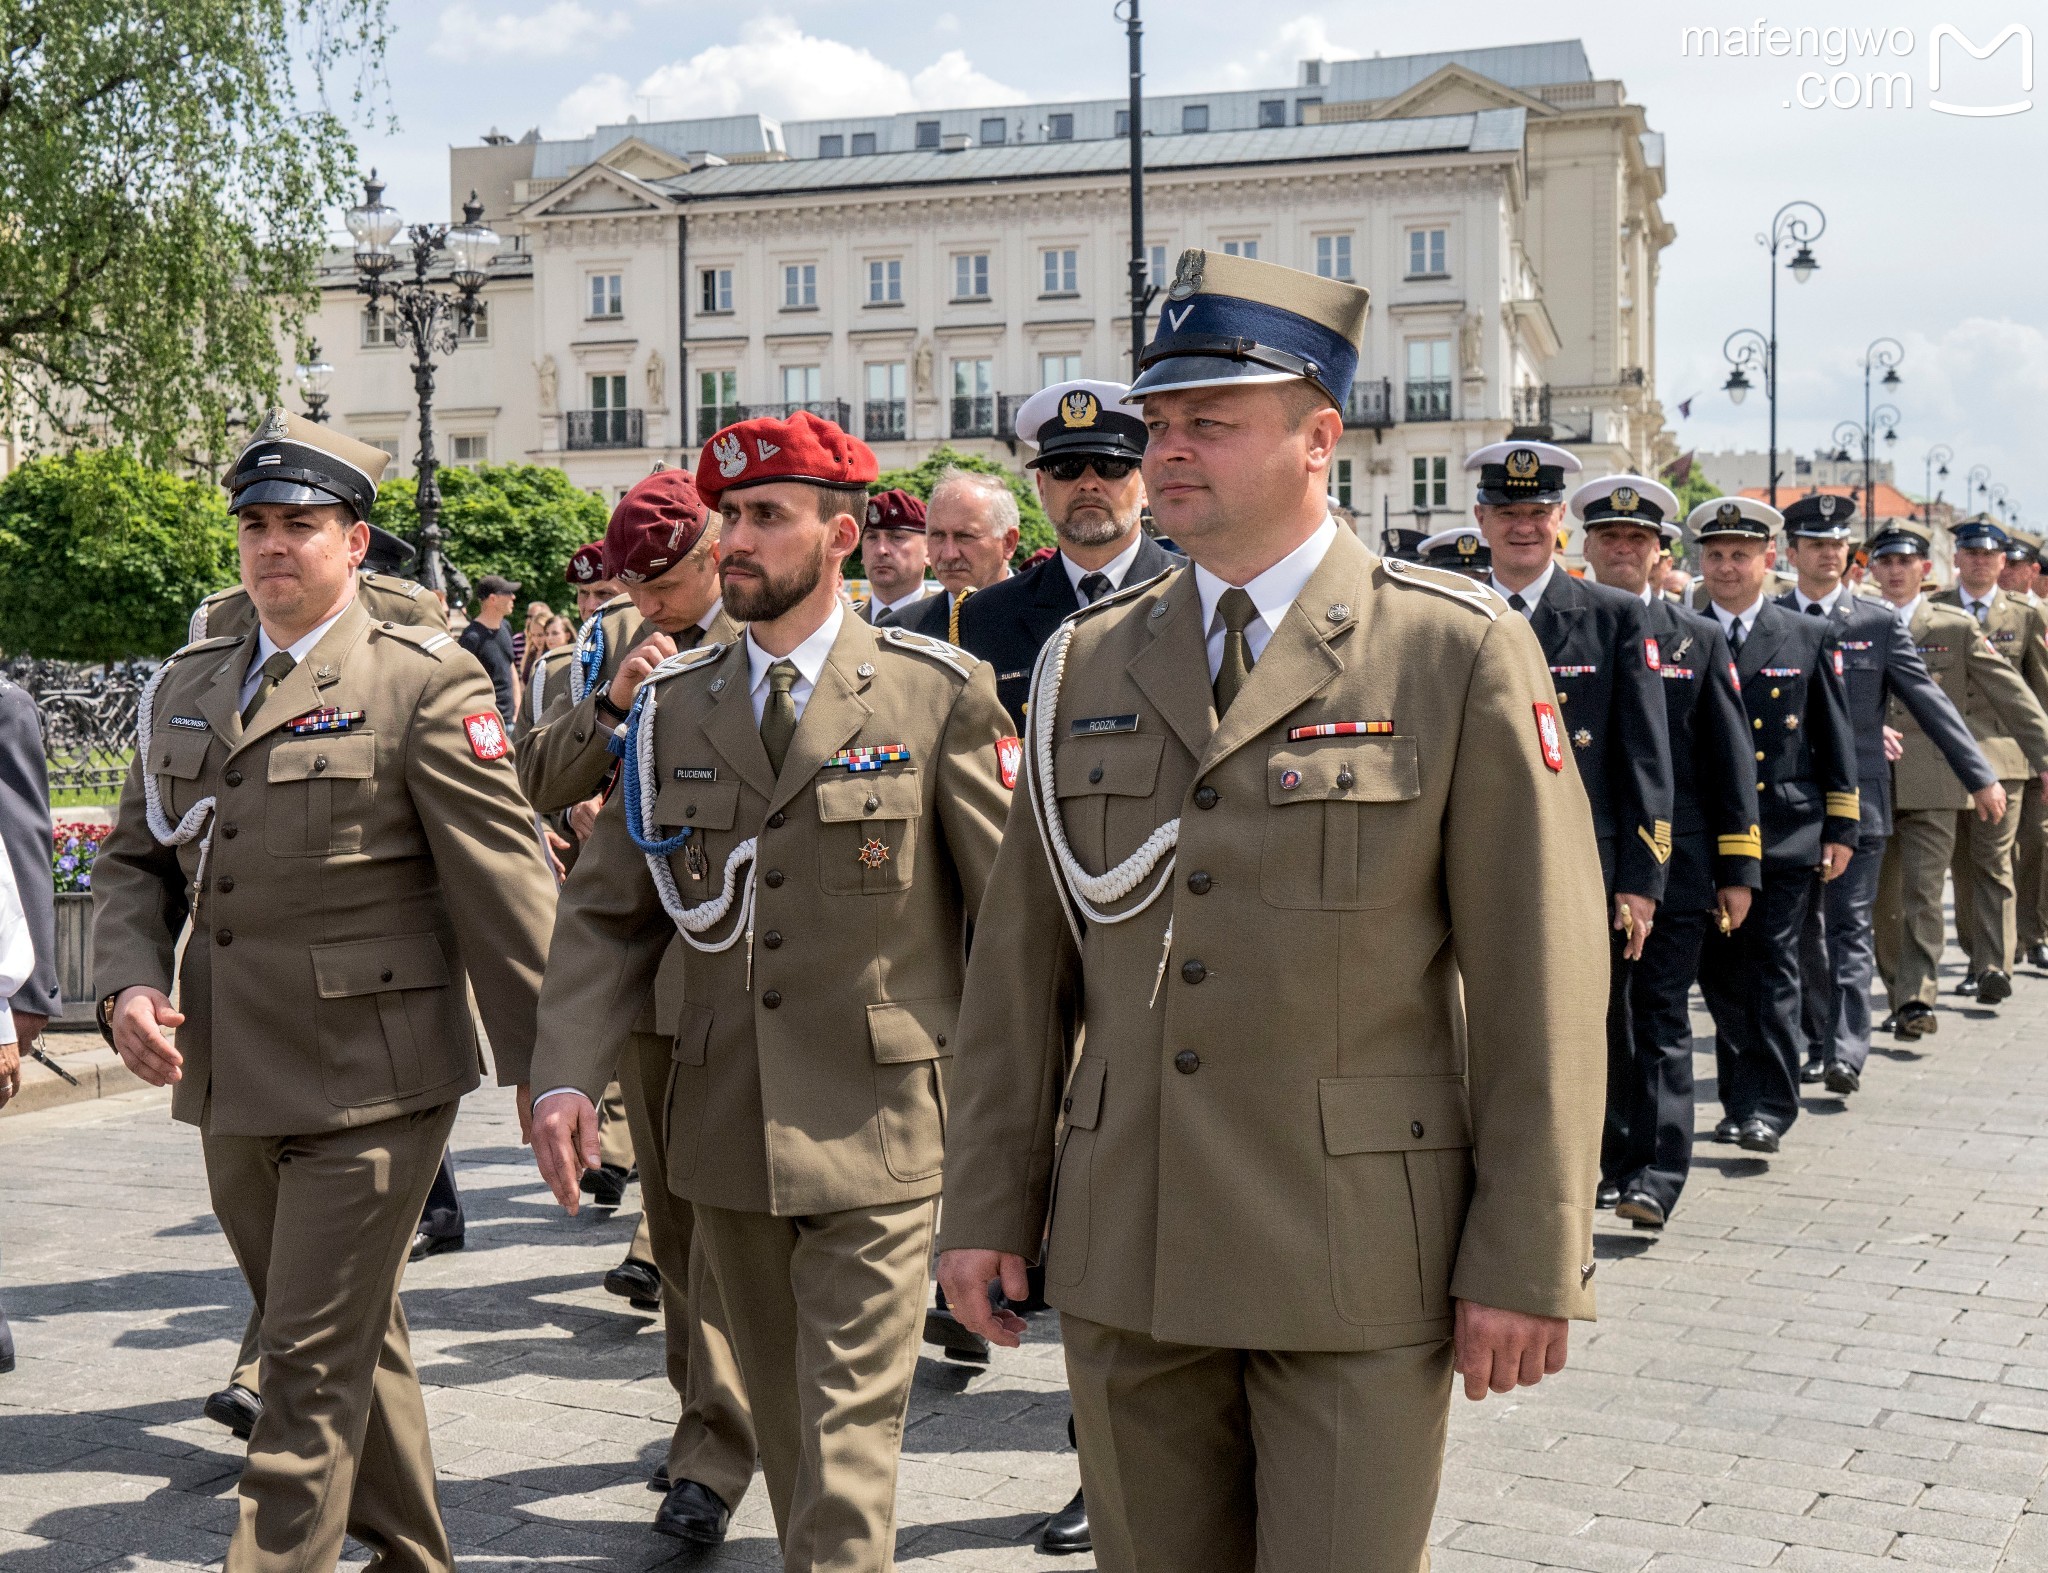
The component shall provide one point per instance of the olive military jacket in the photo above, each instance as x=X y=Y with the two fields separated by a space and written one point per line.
x=1372 y=1075
x=810 y=1057
x=2003 y=715
x=352 y=877
x=230 y=613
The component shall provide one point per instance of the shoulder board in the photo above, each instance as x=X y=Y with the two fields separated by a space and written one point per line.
x=195 y=630
x=411 y=589
x=224 y=642
x=1451 y=586
x=687 y=661
x=950 y=655
x=619 y=602
x=1117 y=597
x=556 y=656
x=429 y=640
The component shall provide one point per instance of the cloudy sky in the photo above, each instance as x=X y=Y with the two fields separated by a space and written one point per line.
x=1937 y=227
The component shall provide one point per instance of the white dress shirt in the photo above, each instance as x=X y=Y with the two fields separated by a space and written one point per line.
x=1976 y=608
x=1113 y=570
x=1272 y=593
x=1531 y=594
x=808 y=656
x=1906 y=613
x=1826 y=603
x=266 y=647
x=1746 y=618
x=17 y=948
x=877 y=610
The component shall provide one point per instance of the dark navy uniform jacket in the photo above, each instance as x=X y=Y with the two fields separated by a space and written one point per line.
x=1879 y=662
x=932 y=616
x=1008 y=623
x=1715 y=839
x=1612 y=709
x=1805 y=750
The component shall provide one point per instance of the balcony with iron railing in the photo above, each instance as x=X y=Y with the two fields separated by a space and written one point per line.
x=711 y=418
x=1370 y=405
x=974 y=415
x=883 y=420
x=1428 y=400
x=604 y=429
x=714 y=418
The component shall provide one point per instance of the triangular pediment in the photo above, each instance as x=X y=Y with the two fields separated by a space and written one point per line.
x=597 y=188
x=643 y=160
x=1456 y=90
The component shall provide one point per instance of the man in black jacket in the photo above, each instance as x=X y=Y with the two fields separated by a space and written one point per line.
x=1087 y=444
x=1879 y=662
x=1716 y=854
x=1807 y=807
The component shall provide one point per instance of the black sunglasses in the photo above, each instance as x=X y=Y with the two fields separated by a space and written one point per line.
x=1071 y=469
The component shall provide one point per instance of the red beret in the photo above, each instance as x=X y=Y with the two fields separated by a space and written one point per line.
x=895 y=510
x=587 y=566
x=654 y=527
x=805 y=447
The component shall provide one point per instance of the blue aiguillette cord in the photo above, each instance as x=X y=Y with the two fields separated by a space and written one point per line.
x=624 y=746
x=593 y=659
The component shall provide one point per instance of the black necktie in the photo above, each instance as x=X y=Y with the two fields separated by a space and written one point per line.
x=1735 y=635
x=1094 y=586
x=1515 y=600
x=275 y=671
x=1815 y=609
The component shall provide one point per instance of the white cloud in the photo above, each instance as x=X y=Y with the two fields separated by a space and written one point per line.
x=563 y=27
x=1304 y=38
x=779 y=70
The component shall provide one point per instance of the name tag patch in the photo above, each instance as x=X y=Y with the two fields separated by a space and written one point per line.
x=1097 y=725
x=191 y=723
x=696 y=772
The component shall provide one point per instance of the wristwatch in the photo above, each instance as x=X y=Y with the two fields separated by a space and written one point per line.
x=605 y=707
x=105 y=1016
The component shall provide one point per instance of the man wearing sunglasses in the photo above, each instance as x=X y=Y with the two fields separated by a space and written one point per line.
x=1088 y=442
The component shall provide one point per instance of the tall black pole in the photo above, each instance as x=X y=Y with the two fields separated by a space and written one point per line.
x=1771 y=369
x=1867 y=442
x=1141 y=287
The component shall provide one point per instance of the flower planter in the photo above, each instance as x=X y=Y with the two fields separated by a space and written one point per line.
x=74 y=955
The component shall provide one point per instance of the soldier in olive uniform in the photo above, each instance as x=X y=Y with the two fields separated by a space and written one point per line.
x=386 y=596
x=814 y=809
x=2021 y=580
x=327 y=803
x=1306 y=875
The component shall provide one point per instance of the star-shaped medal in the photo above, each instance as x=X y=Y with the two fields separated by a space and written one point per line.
x=873 y=853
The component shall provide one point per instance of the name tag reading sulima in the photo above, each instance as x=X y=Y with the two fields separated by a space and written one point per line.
x=1097 y=725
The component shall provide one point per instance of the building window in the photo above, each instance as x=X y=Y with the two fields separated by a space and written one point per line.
x=1430 y=480
x=802 y=385
x=469 y=449
x=1340 y=482
x=1241 y=248
x=476 y=327
x=970 y=275
x=885 y=281
x=383 y=444
x=610 y=424
x=1429 y=379
x=718 y=398
x=1301 y=108
x=607 y=296
x=833 y=146
x=995 y=131
x=1059 y=128
x=714 y=291
x=1194 y=117
x=1054 y=369
x=1333 y=256
x=974 y=399
x=928 y=133
x=1428 y=257
x=1062 y=267
x=1123 y=122
x=863 y=143
x=608 y=391
x=380 y=329
x=799 y=286
x=1155 y=257
x=1272 y=112
x=882 y=417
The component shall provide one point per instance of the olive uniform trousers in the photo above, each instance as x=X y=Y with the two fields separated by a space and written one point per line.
x=2031 y=867
x=1990 y=889
x=1909 y=919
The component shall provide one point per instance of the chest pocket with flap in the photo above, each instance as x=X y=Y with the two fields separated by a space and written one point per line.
x=1339 y=836
x=867 y=830
x=708 y=809
x=176 y=759
x=1105 y=786
x=319 y=791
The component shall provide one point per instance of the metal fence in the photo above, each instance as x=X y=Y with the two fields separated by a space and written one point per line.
x=88 y=715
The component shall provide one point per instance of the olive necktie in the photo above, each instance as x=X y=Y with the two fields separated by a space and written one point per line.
x=275 y=671
x=778 y=715
x=1236 y=609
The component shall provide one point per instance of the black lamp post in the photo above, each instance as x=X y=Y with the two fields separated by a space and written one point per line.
x=429 y=320
x=314 y=376
x=1143 y=287
x=1997 y=495
x=1796 y=224
x=1880 y=424
x=1939 y=454
x=1976 y=484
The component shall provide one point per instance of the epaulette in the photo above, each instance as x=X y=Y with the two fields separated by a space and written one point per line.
x=411 y=589
x=431 y=641
x=686 y=661
x=557 y=655
x=195 y=630
x=950 y=655
x=222 y=642
x=1451 y=586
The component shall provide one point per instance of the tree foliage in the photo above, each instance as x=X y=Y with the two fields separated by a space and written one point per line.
x=102 y=558
x=164 y=198
x=1689 y=484
x=519 y=520
x=919 y=479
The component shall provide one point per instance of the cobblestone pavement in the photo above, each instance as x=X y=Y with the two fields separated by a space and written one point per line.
x=1835 y=1361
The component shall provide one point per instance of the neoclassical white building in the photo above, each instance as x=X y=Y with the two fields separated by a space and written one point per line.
x=916 y=276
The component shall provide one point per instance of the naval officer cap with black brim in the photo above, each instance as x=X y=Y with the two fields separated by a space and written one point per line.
x=1820 y=517
x=1228 y=321
x=1082 y=417
x=1733 y=518
x=1461 y=548
x=1520 y=471
x=294 y=461
x=1615 y=500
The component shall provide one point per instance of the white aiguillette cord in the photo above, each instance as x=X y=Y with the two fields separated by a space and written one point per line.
x=1090 y=892
x=160 y=826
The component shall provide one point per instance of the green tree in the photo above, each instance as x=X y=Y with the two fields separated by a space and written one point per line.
x=919 y=478
x=1689 y=484
x=102 y=558
x=519 y=520
x=166 y=194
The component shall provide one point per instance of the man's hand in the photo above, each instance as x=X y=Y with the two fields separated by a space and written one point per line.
x=28 y=1026
x=1735 y=901
x=645 y=657
x=1834 y=857
x=10 y=1072
x=964 y=1275
x=1894 y=745
x=1990 y=801
x=563 y=1131
x=1634 y=916
x=556 y=846
x=1499 y=1351
x=141 y=1017
x=583 y=817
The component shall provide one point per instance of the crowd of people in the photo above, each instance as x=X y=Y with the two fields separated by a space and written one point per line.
x=1266 y=953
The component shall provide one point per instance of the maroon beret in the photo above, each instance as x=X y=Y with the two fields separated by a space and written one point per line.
x=804 y=447
x=654 y=527
x=895 y=509
x=587 y=566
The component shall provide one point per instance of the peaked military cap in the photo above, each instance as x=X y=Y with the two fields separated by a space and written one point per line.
x=2021 y=546
x=1461 y=548
x=1403 y=545
x=1743 y=517
x=1899 y=539
x=1081 y=417
x=1231 y=319
x=294 y=460
x=1981 y=533
x=388 y=553
x=1512 y=472
x=1627 y=499
x=1821 y=517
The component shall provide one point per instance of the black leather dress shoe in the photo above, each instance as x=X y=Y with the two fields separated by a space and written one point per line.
x=636 y=1282
x=1066 y=1532
x=1843 y=1080
x=1916 y=1020
x=235 y=1407
x=2037 y=955
x=425 y=1245
x=1890 y=1023
x=1607 y=1195
x=1993 y=987
x=1641 y=1209
x=694 y=1513
x=1968 y=985
x=605 y=1185
x=1758 y=1135
x=1813 y=1072
x=1726 y=1130
x=955 y=1339
x=658 y=1481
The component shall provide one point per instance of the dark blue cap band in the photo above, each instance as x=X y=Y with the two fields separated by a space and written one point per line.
x=1229 y=327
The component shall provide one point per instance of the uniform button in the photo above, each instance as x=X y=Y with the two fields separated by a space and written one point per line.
x=1199 y=883
x=1187 y=1062
x=873 y=803
x=229 y=831
x=940 y=1040
x=1760 y=786
x=226 y=884
x=1415 y=1129
x=1205 y=797
x=234 y=778
x=319 y=761
x=223 y=936
x=384 y=976
x=689 y=811
x=1095 y=774
x=1562 y=696
x=774 y=878
x=1345 y=778
x=1066 y=1105
x=1758 y=723
x=777 y=820
x=1774 y=695
x=772 y=999
x=772 y=939
x=1193 y=971
x=1759 y=753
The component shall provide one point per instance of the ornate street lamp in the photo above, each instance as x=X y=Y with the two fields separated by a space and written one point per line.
x=1796 y=224
x=1850 y=439
x=430 y=321
x=314 y=377
x=1976 y=484
x=1939 y=454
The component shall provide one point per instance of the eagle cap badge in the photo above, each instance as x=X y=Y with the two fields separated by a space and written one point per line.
x=274 y=427
x=1827 y=507
x=1079 y=409
x=731 y=457
x=1728 y=513
x=1625 y=499
x=1187 y=275
x=1522 y=465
